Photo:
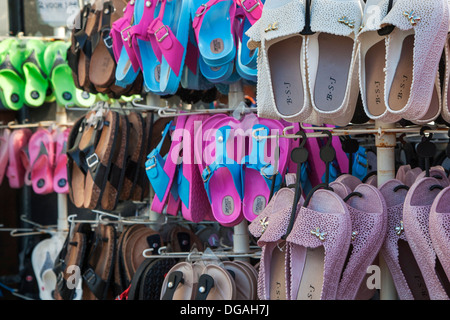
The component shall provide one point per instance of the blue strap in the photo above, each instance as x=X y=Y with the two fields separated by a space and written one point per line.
x=255 y=160
x=222 y=161
x=154 y=167
x=360 y=163
x=183 y=187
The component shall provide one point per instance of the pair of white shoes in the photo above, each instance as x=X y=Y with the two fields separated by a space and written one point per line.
x=315 y=77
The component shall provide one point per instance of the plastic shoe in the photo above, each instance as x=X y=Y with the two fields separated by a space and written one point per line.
x=41 y=148
x=172 y=42
x=218 y=74
x=416 y=216
x=43 y=259
x=324 y=228
x=36 y=83
x=415 y=48
x=16 y=171
x=11 y=76
x=161 y=171
x=258 y=174
x=85 y=99
x=128 y=66
x=213 y=23
x=60 y=74
x=282 y=83
x=369 y=224
x=60 y=182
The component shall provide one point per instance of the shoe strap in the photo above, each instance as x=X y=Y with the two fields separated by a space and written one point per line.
x=121 y=35
x=165 y=43
x=222 y=161
x=252 y=9
x=105 y=27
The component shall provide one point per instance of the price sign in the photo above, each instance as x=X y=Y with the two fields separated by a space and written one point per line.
x=58 y=13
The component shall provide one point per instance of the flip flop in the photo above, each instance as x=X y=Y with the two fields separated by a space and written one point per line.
x=36 y=83
x=416 y=216
x=43 y=259
x=15 y=170
x=213 y=24
x=324 y=228
x=439 y=218
x=258 y=174
x=215 y=283
x=59 y=73
x=181 y=282
x=194 y=200
x=161 y=172
x=41 y=148
x=116 y=172
x=98 y=271
x=368 y=214
x=4 y=152
x=11 y=76
x=245 y=285
x=60 y=183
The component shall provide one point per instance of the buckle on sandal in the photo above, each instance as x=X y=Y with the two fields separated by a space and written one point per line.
x=205 y=6
x=165 y=35
x=206 y=176
x=92 y=160
x=128 y=35
x=252 y=8
x=89 y=275
x=153 y=165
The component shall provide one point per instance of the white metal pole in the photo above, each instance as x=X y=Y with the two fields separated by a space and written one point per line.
x=385 y=144
x=153 y=100
x=241 y=234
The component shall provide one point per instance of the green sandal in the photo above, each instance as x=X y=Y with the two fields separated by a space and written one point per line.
x=60 y=74
x=36 y=83
x=13 y=86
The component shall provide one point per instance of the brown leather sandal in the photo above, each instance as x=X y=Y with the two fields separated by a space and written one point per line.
x=98 y=159
x=134 y=155
x=116 y=174
x=99 y=271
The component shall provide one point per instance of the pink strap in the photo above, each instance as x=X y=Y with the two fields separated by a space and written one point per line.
x=165 y=43
x=192 y=56
x=203 y=9
x=119 y=30
x=252 y=9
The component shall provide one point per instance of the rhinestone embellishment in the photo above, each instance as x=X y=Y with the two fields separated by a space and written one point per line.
x=411 y=16
x=399 y=230
x=347 y=22
x=318 y=234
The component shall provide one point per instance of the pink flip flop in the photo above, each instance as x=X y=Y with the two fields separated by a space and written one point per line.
x=368 y=213
x=261 y=168
x=4 y=139
x=439 y=231
x=16 y=171
x=25 y=158
x=60 y=184
x=194 y=200
x=416 y=216
x=41 y=148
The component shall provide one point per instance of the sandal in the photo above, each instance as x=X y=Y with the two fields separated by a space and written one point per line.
x=41 y=148
x=13 y=85
x=4 y=152
x=15 y=170
x=36 y=83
